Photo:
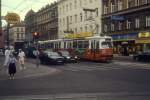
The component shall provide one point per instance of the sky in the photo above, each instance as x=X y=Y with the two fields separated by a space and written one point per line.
x=21 y=7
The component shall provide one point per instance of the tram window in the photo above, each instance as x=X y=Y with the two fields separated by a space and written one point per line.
x=106 y=45
x=59 y=45
x=65 y=45
x=80 y=44
x=85 y=44
x=97 y=44
x=92 y=44
x=75 y=44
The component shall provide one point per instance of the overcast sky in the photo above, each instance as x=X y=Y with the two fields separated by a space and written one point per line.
x=22 y=6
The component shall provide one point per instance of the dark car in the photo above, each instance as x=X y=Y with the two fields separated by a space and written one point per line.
x=143 y=56
x=68 y=57
x=50 y=57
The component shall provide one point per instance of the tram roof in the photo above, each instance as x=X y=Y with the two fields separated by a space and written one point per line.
x=98 y=37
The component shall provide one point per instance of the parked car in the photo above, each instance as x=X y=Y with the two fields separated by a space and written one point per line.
x=144 y=56
x=68 y=57
x=50 y=57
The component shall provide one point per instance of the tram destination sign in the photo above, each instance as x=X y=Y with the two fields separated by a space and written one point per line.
x=12 y=18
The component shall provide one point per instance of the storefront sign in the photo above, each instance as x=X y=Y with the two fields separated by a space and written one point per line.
x=120 y=37
x=144 y=35
x=79 y=35
x=12 y=18
x=143 y=41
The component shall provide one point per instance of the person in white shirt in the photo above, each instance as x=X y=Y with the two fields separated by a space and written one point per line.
x=21 y=56
x=7 y=53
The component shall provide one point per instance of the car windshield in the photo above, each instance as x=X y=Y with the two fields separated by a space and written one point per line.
x=53 y=54
x=64 y=52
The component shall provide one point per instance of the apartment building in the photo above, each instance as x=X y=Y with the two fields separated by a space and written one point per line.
x=45 y=22
x=126 y=21
x=30 y=25
x=77 y=16
x=17 y=33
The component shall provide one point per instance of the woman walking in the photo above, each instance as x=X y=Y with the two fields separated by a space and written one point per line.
x=12 y=66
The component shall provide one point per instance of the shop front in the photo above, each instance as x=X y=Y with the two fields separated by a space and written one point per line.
x=124 y=44
x=144 y=41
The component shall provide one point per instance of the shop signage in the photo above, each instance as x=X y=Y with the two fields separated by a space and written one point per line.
x=144 y=35
x=12 y=18
x=78 y=35
x=117 y=18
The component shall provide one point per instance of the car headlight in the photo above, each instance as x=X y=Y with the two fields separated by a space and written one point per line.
x=75 y=57
x=68 y=57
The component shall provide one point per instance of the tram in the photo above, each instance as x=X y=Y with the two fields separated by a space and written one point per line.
x=95 y=48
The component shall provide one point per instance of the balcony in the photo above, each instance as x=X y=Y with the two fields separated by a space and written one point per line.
x=129 y=10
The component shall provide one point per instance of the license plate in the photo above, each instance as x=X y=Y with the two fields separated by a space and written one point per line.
x=59 y=61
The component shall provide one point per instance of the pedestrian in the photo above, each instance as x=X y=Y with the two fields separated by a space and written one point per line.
x=7 y=54
x=21 y=56
x=12 y=66
x=36 y=53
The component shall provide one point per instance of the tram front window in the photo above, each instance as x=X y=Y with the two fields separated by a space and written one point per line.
x=106 y=45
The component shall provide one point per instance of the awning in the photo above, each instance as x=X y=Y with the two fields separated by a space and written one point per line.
x=143 y=40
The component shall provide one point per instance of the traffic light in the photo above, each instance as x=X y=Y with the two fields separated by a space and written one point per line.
x=35 y=35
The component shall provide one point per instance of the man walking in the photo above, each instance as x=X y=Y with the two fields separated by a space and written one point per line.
x=21 y=56
x=36 y=53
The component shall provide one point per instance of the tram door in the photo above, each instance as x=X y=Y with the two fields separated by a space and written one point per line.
x=95 y=44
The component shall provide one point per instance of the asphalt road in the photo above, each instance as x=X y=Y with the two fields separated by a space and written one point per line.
x=120 y=78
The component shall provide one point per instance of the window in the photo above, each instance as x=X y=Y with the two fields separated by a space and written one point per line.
x=75 y=4
x=81 y=29
x=105 y=28
x=105 y=9
x=112 y=27
x=137 y=23
x=17 y=29
x=21 y=29
x=80 y=3
x=85 y=15
x=120 y=26
x=128 y=24
x=75 y=18
x=18 y=35
x=147 y=21
x=137 y=2
x=112 y=7
x=119 y=5
x=85 y=28
x=81 y=17
x=70 y=19
x=70 y=6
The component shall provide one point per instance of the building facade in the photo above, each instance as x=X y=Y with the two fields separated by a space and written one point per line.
x=30 y=25
x=76 y=16
x=125 y=21
x=45 y=22
x=17 y=33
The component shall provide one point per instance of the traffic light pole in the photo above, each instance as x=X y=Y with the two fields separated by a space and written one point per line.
x=8 y=26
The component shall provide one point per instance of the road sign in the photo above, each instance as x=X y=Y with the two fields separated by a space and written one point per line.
x=12 y=18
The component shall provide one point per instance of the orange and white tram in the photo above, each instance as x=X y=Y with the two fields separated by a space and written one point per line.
x=95 y=48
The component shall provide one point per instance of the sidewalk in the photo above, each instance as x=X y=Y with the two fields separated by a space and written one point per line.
x=30 y=71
